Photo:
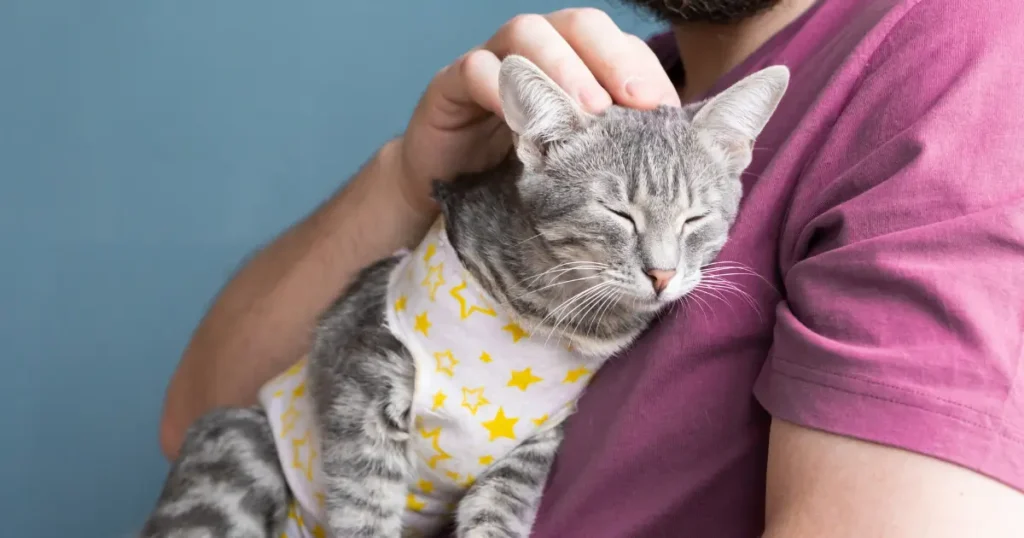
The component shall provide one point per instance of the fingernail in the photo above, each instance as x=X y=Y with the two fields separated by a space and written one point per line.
x=594 y=101
x=636 y=89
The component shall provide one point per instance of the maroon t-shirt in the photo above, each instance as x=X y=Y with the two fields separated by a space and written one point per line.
x=885 y=209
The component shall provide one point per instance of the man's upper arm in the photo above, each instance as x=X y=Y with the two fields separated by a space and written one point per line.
x=828 y=486
x=903 y=324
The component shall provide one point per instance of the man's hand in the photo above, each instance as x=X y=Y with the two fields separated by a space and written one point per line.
x=457 y=126
x=827 y=486
x=260 y=322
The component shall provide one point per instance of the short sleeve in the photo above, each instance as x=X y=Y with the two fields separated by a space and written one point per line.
x=903 y=251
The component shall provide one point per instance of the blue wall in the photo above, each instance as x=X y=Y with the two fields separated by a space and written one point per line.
x=145 y=148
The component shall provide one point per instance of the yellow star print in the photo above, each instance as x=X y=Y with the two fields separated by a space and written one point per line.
x=446 y=362
x=293 y=513
x=485 y=358
x=477 y=401
x=422 y=324
x=516 y=331
x=434 y=436
x=465 y=308
x=414 y=504
x=540 y=421
x=523 y=379
x=433 y=280
x=453 y=475
x=425 y=486
x=294 y=369
x=501 y=426
x=439 y=400
x=486 y=460
x=573 y=376
x=288 y=419
x=431 y=250
x=304 y=466
x=318 y=532
x=400 y=303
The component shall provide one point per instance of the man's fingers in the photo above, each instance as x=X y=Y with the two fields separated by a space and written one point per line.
x=533 y=37
x=622 y=63
x=582 y=50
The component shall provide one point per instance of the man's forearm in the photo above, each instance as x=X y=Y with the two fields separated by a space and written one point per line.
x=261 y=321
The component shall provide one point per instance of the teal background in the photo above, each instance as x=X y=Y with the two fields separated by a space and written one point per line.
x=145 y=149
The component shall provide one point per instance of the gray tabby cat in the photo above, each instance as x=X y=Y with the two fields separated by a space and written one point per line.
x=640 y=200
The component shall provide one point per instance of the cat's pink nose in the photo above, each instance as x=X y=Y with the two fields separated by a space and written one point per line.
x=660 y=278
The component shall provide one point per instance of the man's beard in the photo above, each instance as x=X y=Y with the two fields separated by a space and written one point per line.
x=713 y=11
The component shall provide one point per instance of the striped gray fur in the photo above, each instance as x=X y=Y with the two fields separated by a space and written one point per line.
x=227 y=482
x=585 y=203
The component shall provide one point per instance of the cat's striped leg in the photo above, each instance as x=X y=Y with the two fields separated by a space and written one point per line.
x=365 y=461
x=226 y=483
x=503 y=502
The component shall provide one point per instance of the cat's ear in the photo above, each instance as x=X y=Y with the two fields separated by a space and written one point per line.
x=537 y=110
x=733 y=119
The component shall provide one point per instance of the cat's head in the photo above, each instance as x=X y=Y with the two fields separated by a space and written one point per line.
x=629 y=203
x=650 y=195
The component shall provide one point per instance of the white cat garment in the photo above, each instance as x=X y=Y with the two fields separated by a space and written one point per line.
x=483 y=385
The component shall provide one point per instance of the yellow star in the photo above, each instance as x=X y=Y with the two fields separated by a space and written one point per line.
x=422 y=324
x=307 y=466
x=425 y=486
x=434 y=436
x=446 y=362
x=400 y=303
x=288 y=419
x=293 y=513
x=466 y=309
x=501 y=426
x=485 y=358
x=523 y=379
x=439 y=400
x=453 y=475
x=434 y=279
x=469 y=480
x=295 y=368
x=479 y=400
x=540 y=421
x=431 y=250
x=318 y=532
x=278 y=393
x=573 y=376
x=517 y=332
x=414 y=504
x=300 y=390
x=486 y=460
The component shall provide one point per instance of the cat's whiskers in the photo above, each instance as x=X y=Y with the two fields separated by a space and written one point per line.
x=559 y=283
x=568 y=302
x=715 y=282
x=612 y=300
x=591 y=305
x=570 y=316
x=581 y=265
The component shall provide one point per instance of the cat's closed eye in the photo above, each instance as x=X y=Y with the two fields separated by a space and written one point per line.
x=692 y=221
x=622 y=215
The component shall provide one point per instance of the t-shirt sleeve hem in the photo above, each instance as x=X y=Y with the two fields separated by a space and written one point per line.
x=877 y=412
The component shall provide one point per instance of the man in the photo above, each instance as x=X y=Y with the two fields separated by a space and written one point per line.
x=875 y=388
